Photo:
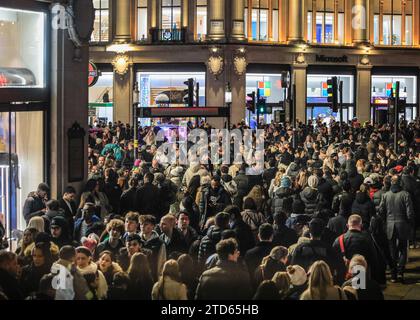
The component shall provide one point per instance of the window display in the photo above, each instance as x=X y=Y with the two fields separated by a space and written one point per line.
x=101 y=97
x=22 y=35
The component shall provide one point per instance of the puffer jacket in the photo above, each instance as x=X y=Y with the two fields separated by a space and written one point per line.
x=309 y=197
x=208 y=243
x=282 y=200
x=363 y=206
x=254 y=219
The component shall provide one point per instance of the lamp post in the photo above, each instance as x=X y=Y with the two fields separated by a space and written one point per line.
x=136 y=100
x=228 y=100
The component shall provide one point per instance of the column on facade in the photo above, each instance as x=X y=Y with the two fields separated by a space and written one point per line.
x=296 y=21
x=123 y=96
x=313 y=21
x=416 y=22
x=299 y=78
x=216 y=25
x=215 y=96
x=69 y=100
x=238 y=20
x=363 y=92
x=238 y=86
x=360 y=21
x=122 y=21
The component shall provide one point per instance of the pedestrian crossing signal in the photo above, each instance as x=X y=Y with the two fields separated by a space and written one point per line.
x=332 y=89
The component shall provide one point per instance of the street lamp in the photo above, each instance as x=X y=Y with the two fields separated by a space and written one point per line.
x=228 y=99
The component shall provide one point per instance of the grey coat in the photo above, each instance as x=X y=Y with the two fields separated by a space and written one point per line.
x=397 y=208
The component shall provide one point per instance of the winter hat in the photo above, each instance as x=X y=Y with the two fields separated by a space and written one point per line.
x=313 y=182
x=297 y=275
x=285 y=182
x=368 y=181
x=89 y=243
x=298 y=207
x=399 y=169
x=98 y=141
x=137 y=163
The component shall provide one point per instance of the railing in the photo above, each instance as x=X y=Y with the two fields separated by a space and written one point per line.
x=168 y=35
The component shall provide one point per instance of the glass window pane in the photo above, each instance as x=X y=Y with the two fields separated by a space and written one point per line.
x=309 y=26
x=387 y=29
x=409 y=30
x=329 y=28
x=166 y=18
x=396 y=29
x=142 y=24
x=255 y=24
x=201 y=22
x=319 y=27
x=176 y=20
x=275 y=25
x=341 y=28
x=263 y=25
x=21 y=48
x=246 y=22
x=376 y=29
x=104 y=25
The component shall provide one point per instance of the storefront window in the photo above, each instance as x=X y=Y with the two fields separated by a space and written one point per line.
x=317 y=97
x=201 y=19
x=101 y=97
x=273 y=91
x=394 y=18
x=101 y=24
x=171 y=14
x=23 y=144
x=322 y=18
x=22 y=39
x=382 y=87
x=142 y=30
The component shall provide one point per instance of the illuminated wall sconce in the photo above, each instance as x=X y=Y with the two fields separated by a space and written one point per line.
x=215 y=62
x=121 y=64
x=239 y=62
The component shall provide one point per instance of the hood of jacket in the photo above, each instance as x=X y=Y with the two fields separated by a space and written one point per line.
x=283 y=192
x=91 y=268
x=362 y=197
x=215 y=233
x=309 y=194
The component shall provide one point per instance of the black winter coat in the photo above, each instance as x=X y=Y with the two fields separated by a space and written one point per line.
x=226 y=281
x=244 y=236
x=364 y=207
x=33 y=206
x=284 y=236
x=310 y=198
x=128 y=201
x=208 y=244
x=254 y=256
x=148 y=200
x=282 y=200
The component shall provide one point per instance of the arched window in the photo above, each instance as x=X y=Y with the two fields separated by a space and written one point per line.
x=325 y=21
x=101 y=24
x=393 y=22
x=201 y=19
x=142 y=30
x=171 y=14
x=262 y=20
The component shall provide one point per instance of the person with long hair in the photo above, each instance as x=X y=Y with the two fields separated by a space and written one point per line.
x=31 y=275
x=169 y=286
x=321 y=285
x=140 y=275
x=91 y=272
x=107 y=266
x=274 y=262
x=282 y=282
x=188 y=274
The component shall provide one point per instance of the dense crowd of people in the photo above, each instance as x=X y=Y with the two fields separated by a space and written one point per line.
x=323 y=209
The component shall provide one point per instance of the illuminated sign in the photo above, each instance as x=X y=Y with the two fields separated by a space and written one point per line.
x=93 y=74
x=264 y=88
x=379 y=100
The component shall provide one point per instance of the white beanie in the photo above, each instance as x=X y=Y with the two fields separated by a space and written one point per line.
x=313 y=182
x=297 y=275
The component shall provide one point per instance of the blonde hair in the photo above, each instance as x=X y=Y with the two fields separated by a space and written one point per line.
x=320 y=279
x=37 y=223
x=278 y=177
x=282 y=282
x=357 y=260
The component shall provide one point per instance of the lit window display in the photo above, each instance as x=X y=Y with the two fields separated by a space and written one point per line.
x=101 y=99
x=201 y=22
x=22 y=39
x=171 y=14
x=261 y=12
x=317 y=97
x=26 y=152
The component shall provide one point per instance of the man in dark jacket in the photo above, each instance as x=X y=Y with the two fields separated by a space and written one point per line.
x=243 y=185
x=254 y=256
x=354 y=241
x=188 y=233
x=148 y=197
x=8 y=270
x=283 y=236
x=282 y=199
x=305 y=254
x=270 y=173
x=214 y=235
x=60 y=232
x=409 y=184
x=35 y=202
x=242 y=230
x=397 y=207
x=115 y=229
x=68 y=204
x=214 y=200
x=226 y=281
x=84 y=225
x=128 y=197
x=171 y=236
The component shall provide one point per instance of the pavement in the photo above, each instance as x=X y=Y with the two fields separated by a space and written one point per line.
x=410 y=290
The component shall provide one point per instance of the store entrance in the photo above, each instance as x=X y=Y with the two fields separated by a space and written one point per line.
x=325 y=113
x=21 y=163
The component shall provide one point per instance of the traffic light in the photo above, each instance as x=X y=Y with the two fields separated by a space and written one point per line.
x=263 y=108
x=190 y=99
x=250 y=102
x=333 y=93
